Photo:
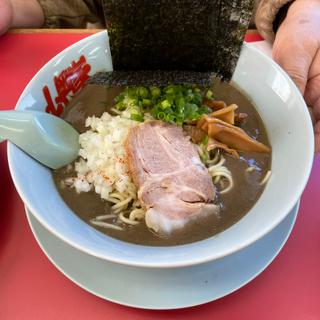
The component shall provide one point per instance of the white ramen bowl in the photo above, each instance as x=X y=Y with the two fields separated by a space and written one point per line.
x=289 y=128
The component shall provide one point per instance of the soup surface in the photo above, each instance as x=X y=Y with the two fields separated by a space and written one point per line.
x=96 y=99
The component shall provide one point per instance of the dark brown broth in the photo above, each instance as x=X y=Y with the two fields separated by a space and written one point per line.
x=94 y=100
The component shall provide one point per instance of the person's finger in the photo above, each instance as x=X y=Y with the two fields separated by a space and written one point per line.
x=295 y=60
x=312 y=97
x=28 y=14
x=317 y=137
x=313 y=119
x=293 y=51
x=316 y=108
x=6 y=15
x=312 y=92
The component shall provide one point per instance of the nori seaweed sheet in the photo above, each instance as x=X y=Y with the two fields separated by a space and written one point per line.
x=204 y=36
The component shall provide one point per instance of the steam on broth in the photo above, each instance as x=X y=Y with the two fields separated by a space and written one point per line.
x=238 y=178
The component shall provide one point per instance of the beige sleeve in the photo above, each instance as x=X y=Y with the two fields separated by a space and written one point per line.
x=265 y=14
x=71 y=13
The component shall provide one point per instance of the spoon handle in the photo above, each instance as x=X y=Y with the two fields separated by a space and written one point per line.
x=14 y=125
x=46 y=138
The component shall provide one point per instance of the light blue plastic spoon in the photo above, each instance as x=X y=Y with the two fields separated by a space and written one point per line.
x=46 y=138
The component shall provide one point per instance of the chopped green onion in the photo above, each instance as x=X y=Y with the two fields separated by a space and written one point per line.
x=180 y=102
x=175 y=103
x=209 y=94
x=169 y=118
x=165 y=104
x=205 y=140
x=143 y=92
x=137 y=117
x=161 y=115
x=146 y=102
x=120 y=106
x=169 y=90
x=204 y=157
x=155 y=91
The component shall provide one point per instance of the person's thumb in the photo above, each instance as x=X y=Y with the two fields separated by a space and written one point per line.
x=293 y=51
x=295 y=61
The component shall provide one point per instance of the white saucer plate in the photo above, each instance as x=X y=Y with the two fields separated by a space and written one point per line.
x=152 y=288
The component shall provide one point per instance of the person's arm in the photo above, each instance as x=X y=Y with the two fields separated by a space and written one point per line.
x=49 y=14
x=20 y=13
x=296 y=47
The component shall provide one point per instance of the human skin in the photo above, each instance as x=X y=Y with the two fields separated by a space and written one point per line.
x=297 y=49
x=20 y=14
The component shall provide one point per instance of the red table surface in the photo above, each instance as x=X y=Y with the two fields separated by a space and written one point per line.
x=32 y=288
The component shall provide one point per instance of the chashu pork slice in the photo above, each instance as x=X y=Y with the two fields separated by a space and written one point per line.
x=172 y=182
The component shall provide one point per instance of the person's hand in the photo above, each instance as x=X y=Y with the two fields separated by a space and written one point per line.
x=297 y=50
x=20 y=14
x=6 y=15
